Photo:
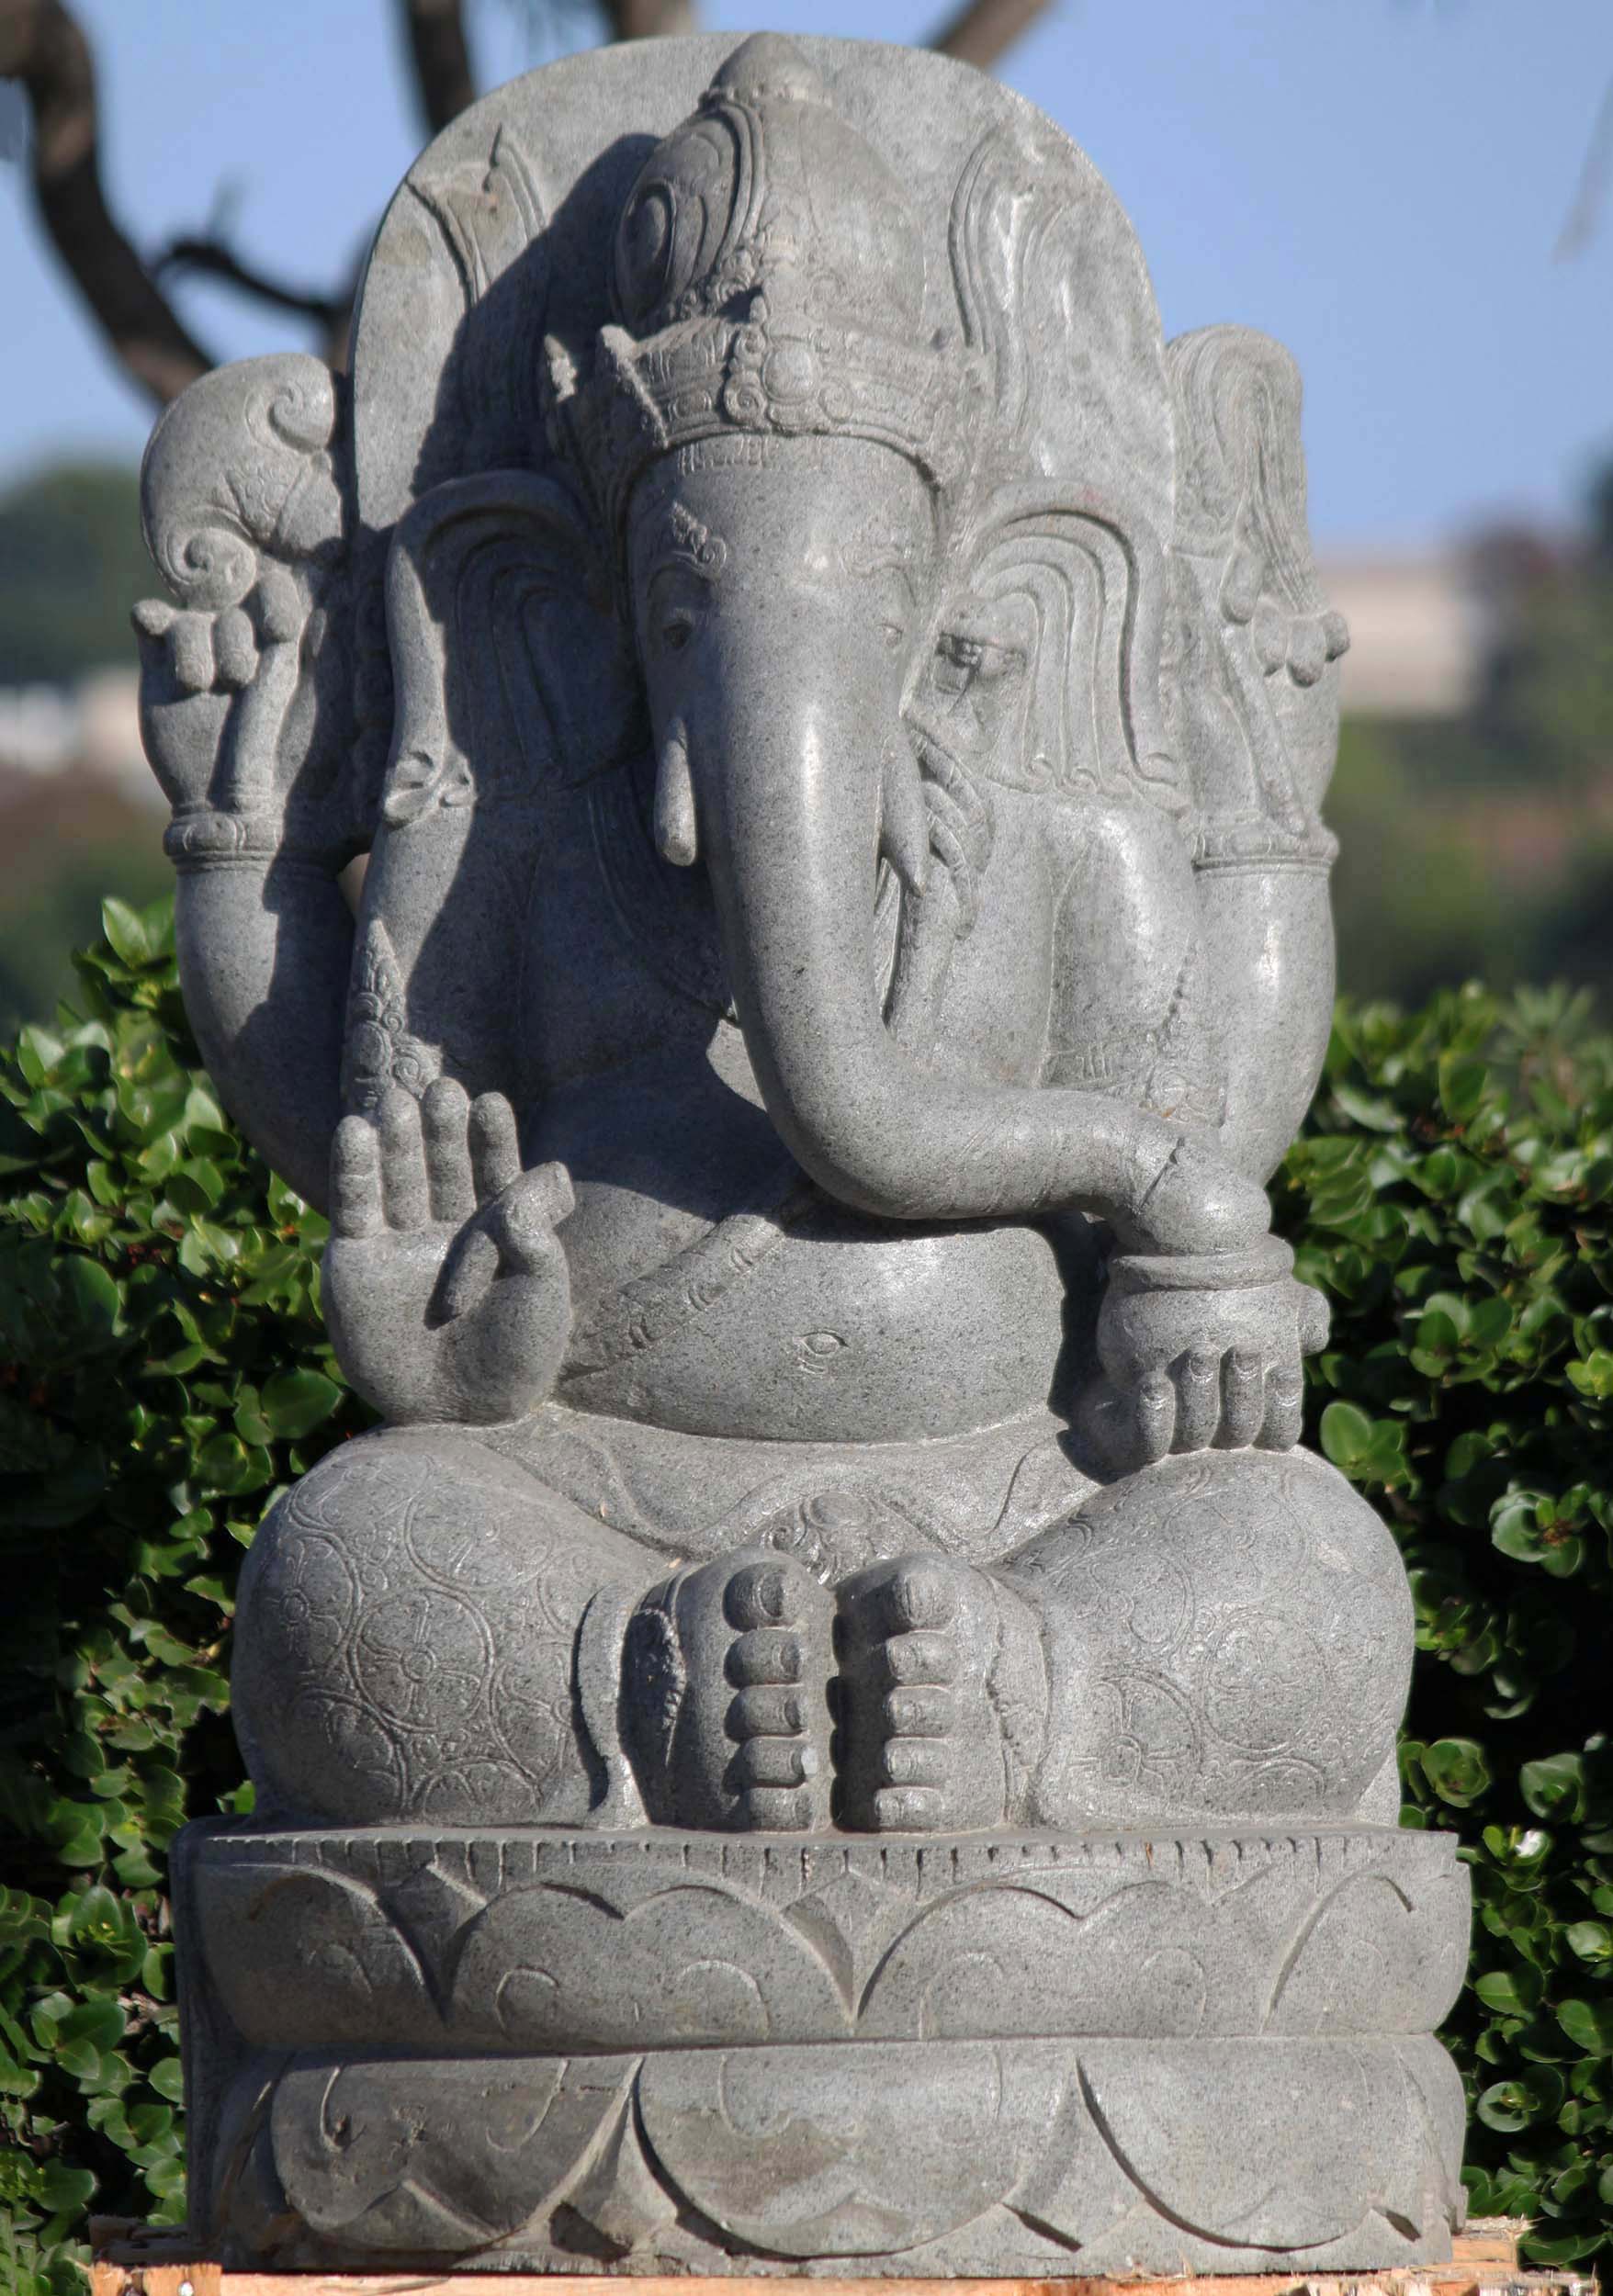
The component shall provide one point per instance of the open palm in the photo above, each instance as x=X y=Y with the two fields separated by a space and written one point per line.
x=445 y=1287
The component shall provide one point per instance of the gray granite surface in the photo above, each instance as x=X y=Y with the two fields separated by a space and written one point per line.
x=832 y=1719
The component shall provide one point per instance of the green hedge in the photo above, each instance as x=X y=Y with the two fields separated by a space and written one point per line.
x=163 y=1372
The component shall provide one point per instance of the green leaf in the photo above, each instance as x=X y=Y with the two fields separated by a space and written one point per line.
x=296 y=1403
x=128 y=933
x=1559 y=2248
x=1513 y=1992
x=90 y=1302
x=96 y=1918
x=1347 y=1436
x=1592 y=1941
x=1554 y=1788
x=1589 y=2025
x=1594 y=1376
x=1507 y=2105
x=1461 y=1087
x=1457 y=1769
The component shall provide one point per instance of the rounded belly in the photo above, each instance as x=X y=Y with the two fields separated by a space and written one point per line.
x=812 y=1324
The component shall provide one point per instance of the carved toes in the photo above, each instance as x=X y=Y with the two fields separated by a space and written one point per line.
x=778 y=1719
x=920 y=1746
x=742 y=1741
x=930 y=1670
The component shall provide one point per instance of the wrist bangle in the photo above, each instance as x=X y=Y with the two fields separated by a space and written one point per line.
x=1264 y=1263
x=210 y=839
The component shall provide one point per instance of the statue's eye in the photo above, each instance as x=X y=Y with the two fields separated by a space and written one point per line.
x=679 y=600
x=964 y=661
x=894 y=634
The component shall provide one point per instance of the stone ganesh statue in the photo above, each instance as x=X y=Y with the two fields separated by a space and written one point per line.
x=832 y=1719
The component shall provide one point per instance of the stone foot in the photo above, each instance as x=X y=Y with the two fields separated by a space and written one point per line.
x=727 y=1670
x=937 y=1664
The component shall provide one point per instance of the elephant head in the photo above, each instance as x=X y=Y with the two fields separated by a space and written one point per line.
x=874 y=566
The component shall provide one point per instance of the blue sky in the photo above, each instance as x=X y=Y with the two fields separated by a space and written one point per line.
x=1382 y=183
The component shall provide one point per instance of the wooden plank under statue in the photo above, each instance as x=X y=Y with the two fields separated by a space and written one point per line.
x=133 y=2262
x=833 y=1730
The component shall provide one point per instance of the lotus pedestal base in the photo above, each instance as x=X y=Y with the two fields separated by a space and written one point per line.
x=837 y=2056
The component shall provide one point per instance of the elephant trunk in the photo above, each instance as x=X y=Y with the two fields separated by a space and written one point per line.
x=793 y=806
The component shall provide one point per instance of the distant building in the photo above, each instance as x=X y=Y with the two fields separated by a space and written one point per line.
x=90 y=727
x=1418 y=630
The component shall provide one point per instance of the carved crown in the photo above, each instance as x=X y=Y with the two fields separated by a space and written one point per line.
x=768 y=277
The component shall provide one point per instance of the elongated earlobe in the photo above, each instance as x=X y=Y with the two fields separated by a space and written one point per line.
x=675 y=834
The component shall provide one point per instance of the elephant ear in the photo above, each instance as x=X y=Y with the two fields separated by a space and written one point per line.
x=1044 y=674
x=1249 y=682
x=513 y=687
x=1046 y=671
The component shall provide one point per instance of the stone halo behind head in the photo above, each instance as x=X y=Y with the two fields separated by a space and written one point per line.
x=486 y=298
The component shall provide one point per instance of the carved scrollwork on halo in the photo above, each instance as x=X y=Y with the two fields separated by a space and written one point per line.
x=488 y=211
x=1069 y=508
x=244 y=702
x=488 y=217
x=492 y=217
x=1250 y=687
x=1053 y=298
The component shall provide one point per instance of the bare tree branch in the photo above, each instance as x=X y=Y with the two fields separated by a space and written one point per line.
x=42 y=47
x=983 y=29
x=215 y=260
x=1590 y=194
x=440 y=53
x=648 y=20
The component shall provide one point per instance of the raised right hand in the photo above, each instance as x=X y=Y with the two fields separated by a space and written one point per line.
x=445 y=1287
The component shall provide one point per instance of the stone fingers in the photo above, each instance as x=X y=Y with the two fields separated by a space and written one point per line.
x=909 y=1761
x=930 y=1710
x=929 y=1660
x=403 y=1174
x=1285 y=1404
x=777 y=1763
x=1243 y=1398
x=356 y=1180
x=435 y=1160
x=522 y=1221
x=1231 y=1401
x=1316 y=1319
x=726 y=1682
x=756 y=1596
x=777 y=1718
x=495 y=1146
x=1155 y=1415
x=1198 y=1399
x=768 y=1711
x=445 y=1125
x=769 y=1657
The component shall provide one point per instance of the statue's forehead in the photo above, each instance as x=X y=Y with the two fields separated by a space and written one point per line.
x=865 y=498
